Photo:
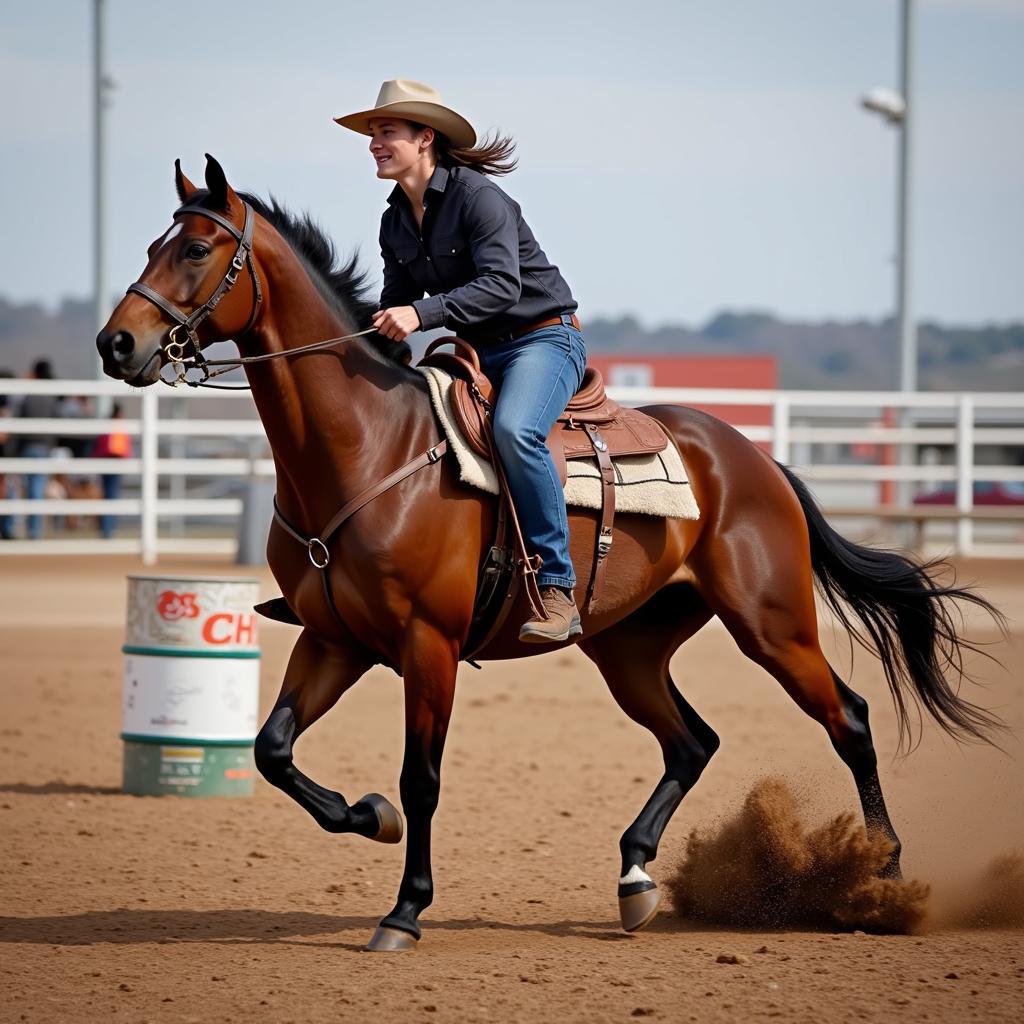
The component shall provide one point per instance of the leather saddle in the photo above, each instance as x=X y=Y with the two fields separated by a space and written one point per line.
x=591 y=416
x=592 y=426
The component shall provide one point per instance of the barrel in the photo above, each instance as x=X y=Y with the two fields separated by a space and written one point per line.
x=191 y=686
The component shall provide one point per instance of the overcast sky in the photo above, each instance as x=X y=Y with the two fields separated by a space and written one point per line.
x=677 y=157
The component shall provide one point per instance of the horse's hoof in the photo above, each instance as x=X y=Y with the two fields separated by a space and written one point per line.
x=391 y=940
x=637 y=910
x=388 y=818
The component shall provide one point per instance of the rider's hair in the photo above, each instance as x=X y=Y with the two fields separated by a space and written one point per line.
x=491 y=156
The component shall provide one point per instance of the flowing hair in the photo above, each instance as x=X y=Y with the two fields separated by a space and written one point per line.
x=494 y=156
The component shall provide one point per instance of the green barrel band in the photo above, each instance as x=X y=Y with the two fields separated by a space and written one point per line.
x=177 y=741
x=187 y=652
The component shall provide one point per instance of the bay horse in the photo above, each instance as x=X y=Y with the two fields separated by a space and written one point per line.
x=402 y=572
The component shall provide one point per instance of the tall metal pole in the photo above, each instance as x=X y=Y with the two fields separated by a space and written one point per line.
x=100 y=85
x=904 y=242
x=904 y=294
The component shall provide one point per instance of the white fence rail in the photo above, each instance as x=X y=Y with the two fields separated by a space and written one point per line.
x=806 y=429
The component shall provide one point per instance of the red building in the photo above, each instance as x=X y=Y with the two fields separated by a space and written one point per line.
x=668 y=371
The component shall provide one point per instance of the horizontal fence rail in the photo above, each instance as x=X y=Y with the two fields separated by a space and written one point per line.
x=868 y=439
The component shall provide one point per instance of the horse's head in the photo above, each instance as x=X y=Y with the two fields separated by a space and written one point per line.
x=185 y=298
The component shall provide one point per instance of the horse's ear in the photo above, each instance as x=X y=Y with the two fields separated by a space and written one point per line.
x=186 y=190
x=222 y=195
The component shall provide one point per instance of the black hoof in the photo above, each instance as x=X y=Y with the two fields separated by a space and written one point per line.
x=391 y=940
x=637 y=905
x=390 y=828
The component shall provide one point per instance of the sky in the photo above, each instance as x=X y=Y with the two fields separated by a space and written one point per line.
x=677 y=157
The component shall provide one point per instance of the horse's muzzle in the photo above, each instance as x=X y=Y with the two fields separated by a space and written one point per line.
x=121 y=359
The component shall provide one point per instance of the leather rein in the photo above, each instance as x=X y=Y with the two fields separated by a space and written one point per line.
x=188 y=323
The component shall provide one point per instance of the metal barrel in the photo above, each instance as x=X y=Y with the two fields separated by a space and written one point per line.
x=191 y=686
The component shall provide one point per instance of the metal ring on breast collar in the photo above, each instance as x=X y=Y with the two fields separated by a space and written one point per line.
x=315 y=544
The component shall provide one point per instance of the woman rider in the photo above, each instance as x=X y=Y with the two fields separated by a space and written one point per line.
x=451 y=232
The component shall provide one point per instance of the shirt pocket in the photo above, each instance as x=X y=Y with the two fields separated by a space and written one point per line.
x=452 y=260
x=451 y=246
x=406 y=254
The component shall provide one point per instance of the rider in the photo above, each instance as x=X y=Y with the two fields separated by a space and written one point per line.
x=451 y=232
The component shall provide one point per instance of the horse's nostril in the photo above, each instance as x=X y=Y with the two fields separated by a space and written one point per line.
x=123 y=343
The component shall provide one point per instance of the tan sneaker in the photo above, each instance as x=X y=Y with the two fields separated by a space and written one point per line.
x=562 y=623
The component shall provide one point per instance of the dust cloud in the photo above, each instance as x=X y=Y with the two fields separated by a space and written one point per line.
x=993 y=899
x=766 y=868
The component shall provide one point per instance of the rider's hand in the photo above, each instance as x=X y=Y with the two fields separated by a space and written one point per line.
x=396 y=323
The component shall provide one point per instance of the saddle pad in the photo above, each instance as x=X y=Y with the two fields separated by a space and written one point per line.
x=653 y=485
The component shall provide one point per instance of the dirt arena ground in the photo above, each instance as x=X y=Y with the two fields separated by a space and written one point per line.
x=116 y=908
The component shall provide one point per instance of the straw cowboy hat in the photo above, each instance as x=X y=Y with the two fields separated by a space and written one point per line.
x=413 y=101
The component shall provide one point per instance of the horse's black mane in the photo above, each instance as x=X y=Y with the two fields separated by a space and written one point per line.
x=345 y=282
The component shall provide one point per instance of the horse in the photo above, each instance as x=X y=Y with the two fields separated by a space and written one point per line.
x=396 y=584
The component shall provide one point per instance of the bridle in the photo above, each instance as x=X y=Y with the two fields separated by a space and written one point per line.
x=188 y=323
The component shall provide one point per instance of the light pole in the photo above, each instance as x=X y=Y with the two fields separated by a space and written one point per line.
x=102 y=87
x=898 y=110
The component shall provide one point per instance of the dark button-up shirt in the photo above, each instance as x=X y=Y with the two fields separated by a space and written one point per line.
x=476 y=259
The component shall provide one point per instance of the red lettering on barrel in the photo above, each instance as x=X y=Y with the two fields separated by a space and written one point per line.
x=210 y=624
x=230 y=627
x=246 y=630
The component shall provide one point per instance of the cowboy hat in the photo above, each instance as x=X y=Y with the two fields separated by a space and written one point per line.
x=413 y=101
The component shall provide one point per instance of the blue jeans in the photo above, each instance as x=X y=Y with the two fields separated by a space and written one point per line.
x=537 y=374
x=6 y=522
x=35 y=487
x=111 y=491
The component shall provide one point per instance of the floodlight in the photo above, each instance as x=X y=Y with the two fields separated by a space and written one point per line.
x=887 y=102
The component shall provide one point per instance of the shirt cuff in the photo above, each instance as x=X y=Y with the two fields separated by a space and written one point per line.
x=430 y=311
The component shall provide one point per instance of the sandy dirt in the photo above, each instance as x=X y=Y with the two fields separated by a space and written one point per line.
x=117 y=908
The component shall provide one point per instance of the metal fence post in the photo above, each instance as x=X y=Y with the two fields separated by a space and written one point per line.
x=149 y=482
x=964 y=474
x=780 y=429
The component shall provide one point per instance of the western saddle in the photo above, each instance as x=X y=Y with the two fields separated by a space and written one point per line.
x=592 y=426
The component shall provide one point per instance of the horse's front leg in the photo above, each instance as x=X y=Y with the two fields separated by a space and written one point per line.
x=430 y=664
x=317 y=675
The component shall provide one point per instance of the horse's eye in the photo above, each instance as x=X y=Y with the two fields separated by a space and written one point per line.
x=196 y=252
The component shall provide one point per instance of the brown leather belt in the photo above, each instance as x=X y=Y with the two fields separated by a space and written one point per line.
x=551 y=322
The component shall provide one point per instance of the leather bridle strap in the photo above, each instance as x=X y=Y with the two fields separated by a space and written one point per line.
x=174 y=349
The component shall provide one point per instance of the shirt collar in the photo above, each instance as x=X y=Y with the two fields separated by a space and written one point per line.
x=438 y=182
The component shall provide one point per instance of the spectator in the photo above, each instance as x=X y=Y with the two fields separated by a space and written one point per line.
x=115 y=445
x=6 y=485
x=37 y=446
x=74 y=407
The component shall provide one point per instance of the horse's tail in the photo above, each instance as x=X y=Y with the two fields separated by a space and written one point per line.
x=908 y=618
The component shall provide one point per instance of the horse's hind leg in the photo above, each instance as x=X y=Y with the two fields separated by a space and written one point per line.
x=858 y=754
x=774 y=622
x=633 y=657
x=315 y=680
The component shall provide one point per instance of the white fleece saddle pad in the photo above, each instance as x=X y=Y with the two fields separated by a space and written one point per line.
x=653 y=485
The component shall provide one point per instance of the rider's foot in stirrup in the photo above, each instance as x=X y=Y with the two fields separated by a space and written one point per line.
x=562 y=623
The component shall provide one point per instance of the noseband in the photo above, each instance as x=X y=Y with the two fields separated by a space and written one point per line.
x=174 y=348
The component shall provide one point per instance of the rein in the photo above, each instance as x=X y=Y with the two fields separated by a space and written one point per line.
x=174 y=349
